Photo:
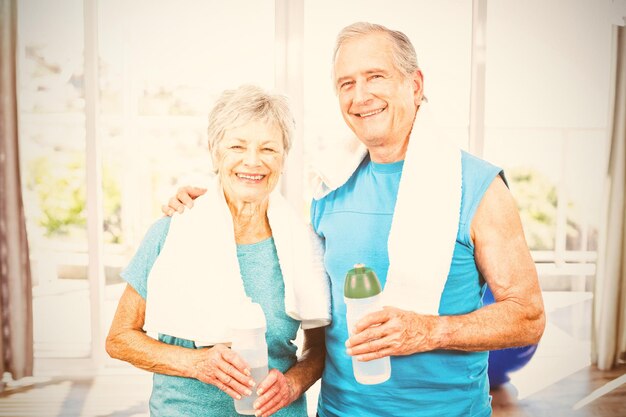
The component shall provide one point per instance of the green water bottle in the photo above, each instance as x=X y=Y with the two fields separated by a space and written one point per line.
x=363 y=295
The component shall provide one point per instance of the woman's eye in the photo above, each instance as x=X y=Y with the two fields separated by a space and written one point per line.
x=269 y=149
x=236 y=147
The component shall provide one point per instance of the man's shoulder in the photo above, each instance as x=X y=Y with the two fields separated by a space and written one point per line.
x=477 y=175
x=352 y=196
x=470 y=163
x=347 y=189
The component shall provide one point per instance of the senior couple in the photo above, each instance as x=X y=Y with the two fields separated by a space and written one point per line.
x=436 y=223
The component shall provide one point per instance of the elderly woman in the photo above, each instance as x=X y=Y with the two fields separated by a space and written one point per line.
x=192 y=270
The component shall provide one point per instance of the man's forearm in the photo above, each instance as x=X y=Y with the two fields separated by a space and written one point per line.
x=497 y=326
x=310 y=364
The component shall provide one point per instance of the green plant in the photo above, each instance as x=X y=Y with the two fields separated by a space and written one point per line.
x=59 y=184
x=537 y=199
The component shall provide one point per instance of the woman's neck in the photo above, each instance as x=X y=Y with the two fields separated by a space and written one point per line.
x=250 y=221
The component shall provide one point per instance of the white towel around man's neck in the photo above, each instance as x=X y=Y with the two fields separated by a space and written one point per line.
x=426 y=216
x=195 y=283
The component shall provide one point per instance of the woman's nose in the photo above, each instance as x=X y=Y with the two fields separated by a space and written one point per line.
x=252 y=157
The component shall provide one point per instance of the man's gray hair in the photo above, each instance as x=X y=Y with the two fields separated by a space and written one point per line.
x=402 y=50
x=245 y=104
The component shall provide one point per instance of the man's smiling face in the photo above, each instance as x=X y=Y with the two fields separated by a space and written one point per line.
x=377 y=100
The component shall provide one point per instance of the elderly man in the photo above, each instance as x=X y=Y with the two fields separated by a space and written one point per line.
x=437 y=334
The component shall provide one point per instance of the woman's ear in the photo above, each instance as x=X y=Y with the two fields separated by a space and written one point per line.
x=214 y=157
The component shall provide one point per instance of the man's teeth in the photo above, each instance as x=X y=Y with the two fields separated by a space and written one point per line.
x=251 y=177
x=371 y=113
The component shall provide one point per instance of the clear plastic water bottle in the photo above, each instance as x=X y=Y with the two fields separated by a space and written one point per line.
x=248 y=337
x=363 y=295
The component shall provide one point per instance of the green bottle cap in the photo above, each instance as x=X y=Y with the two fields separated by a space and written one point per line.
x=361 y=282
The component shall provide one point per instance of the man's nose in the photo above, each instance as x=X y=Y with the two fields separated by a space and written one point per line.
x=361 y=92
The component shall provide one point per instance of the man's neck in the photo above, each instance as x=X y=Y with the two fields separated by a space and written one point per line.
x=391 y=150
x=389 y=153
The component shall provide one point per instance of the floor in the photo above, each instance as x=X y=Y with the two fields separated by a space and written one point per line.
x=558 y=381
x=114 y=395
x=568 y=397
x=126 y=396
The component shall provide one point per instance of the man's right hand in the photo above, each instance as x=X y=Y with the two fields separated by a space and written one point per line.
x=184 y=198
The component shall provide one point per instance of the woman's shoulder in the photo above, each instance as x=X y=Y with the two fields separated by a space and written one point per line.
x=137 y=271
x=156 y=233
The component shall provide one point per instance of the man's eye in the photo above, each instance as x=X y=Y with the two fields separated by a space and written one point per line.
x=376 y=76
x=236 y=147
x=346 y=84
x=269 y=150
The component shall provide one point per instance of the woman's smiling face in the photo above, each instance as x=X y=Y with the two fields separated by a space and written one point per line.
x=250 y=159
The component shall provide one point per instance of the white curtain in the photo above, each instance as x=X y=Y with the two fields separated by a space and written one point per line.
x=609 y=332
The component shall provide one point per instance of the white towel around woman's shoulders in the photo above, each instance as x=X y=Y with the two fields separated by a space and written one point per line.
x=195 y=283
x=426 y=217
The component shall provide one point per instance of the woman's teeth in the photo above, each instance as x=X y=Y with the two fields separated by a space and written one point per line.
x=251 y=177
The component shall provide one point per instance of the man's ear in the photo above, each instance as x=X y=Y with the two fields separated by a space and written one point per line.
x=417 y=82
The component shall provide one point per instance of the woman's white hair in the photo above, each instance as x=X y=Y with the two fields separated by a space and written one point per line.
x=245 y=104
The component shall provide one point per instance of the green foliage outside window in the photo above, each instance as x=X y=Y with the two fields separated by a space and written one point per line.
x=60 y=190
x=537 y=200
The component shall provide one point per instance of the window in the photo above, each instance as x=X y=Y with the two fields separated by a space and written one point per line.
x=546 y=124
x=156 y=87
x=52 y=132
x=161 y=66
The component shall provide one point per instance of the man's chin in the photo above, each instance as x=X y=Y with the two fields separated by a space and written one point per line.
x=371 y=138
